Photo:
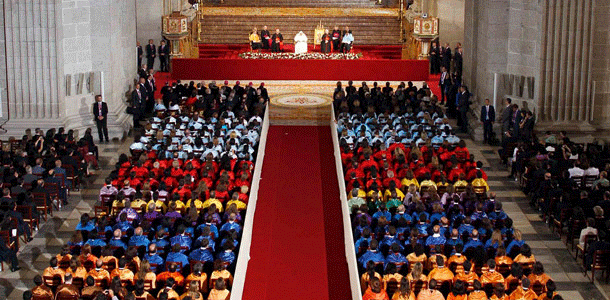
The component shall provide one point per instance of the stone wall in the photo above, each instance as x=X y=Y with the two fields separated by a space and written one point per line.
x=485 y=47
x=600 y=66
x=148 y=15
x=451 y=16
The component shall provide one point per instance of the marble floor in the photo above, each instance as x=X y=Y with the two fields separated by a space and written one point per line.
x=547 y=248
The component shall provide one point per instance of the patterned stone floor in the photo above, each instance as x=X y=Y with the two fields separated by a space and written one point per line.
x=547 y=248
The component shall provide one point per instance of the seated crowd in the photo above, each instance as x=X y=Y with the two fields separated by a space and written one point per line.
x=424 y=222
x=170 y=218
x=567 y=182
x=38 y=171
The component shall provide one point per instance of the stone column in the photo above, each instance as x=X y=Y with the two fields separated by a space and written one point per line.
x=31 y=83
x=54 y=52
x=566 y=54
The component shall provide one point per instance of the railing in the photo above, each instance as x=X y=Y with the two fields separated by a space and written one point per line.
x=350 y=251
x=244 y=251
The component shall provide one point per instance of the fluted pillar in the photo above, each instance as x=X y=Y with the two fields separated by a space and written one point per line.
x=31 y=59
x=566 y=61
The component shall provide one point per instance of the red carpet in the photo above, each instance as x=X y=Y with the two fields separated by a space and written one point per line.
x=298 y=249
x=433 y=84
x=295 y=69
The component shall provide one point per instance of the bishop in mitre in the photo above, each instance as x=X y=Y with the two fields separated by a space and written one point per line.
x=300 y=43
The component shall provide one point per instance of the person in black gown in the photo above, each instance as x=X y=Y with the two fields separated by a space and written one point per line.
x=435 y=58
x=325 y=43
x=277 y=41
x=266 y=38
x=336 y=37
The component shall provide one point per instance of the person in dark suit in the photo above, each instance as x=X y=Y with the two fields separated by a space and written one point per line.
x=435 y=58
x=506 y=117
x=463 y=106
x=164 y=57
x=446 y=56
x=100 y=115
x=151 y=54
x=138 y=105
x=488 y=117
x=444 y=84
x=140 y=53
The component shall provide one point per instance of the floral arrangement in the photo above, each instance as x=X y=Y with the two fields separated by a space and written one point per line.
x=309 y=55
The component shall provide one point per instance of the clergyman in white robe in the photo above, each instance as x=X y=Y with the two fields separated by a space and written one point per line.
x=300 y=43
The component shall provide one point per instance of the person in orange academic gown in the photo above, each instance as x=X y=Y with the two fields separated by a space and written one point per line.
x=67 y=289
x=375 y=291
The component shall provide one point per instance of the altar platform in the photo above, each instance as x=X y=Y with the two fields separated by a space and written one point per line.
x=378 y=62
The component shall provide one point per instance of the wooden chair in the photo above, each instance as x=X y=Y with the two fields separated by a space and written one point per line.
x=39 y=297
x=513 y=284
x=601 y=262
x=392 y=286
x=558 y=221
x=574 y=232
x=578 y=180
x=13 y=244
x=52 y=281
x=101 y=211
x=503 y=269
x=66 y=297
x=589 y=238
x=72 y=176
x=40 y=199
x=110 y=265
x=587 y=181
x=537 y=287
x=459 y=189
x=107 y=199
x=26 y=212
x=148 y=284
x=178 y=265
x=78 y=282
x=417 y=286
x=527 y=268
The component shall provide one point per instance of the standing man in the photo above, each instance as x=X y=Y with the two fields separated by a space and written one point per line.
x=447 y=56
x=137 y=104
x=151 y=53
x=140 y=53
x=506 y=117
x=463 y=106
x=488 y=117
x=444 y=84
x=163 y=57
x=100 y=115
x=277 y=41
x=266 y=38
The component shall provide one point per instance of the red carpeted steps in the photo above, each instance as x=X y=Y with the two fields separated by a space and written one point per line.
x=298 y=249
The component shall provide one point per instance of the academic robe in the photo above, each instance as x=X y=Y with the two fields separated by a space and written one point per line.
x=266 y=39
x=277 y=42
x=336 y=39
x=66 y=290
x=42 y=292
x=326 y=44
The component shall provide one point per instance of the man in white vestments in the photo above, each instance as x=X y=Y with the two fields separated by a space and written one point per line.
x=300 y=43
